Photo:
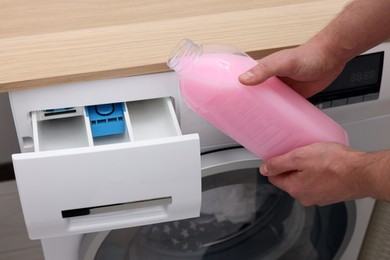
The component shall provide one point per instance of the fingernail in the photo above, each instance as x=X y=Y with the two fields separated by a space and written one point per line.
x=247 y=76
x=264 y=171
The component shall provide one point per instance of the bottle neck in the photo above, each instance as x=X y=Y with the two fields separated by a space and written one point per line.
x=184 y=54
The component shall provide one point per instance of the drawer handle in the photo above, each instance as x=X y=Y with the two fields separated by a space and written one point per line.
x=121 y=215
x=115 y=207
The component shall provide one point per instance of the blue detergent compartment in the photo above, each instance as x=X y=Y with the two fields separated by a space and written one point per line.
x=106 y=119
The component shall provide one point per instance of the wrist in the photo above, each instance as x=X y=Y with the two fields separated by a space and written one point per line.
x=331 y=50
x=376 y=167
x=360 y=26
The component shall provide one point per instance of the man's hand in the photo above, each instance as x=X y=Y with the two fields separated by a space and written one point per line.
x=322 y=173
x=306 y=69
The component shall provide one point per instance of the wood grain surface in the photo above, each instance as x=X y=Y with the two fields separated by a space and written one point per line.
x=46 y=42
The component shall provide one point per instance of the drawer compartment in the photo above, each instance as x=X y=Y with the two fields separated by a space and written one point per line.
x=61 y=132
x=152 y=119
x=76 y=182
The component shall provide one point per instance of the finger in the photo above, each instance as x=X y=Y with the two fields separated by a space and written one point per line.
x=256 y=75
x=279 y=164
x=263 y=169
x=277 y=64
x=266 y=68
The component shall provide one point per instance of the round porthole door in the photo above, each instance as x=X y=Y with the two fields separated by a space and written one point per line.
x=242 y=216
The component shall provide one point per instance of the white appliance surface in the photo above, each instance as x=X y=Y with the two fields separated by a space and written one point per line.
x=167 y=163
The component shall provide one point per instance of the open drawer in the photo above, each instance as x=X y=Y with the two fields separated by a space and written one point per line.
x=82 y=179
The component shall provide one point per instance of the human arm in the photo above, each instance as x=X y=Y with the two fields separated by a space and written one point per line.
x=312 y=66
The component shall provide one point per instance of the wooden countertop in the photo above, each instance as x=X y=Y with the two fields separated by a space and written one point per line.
x=47 y=42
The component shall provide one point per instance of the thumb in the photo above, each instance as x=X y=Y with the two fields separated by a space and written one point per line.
x=256 y=75
x=282 y=63
x=279 y=164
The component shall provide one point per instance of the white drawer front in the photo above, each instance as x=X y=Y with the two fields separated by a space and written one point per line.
x=150 y=175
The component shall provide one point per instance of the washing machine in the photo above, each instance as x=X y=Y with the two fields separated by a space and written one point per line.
x=225 y=211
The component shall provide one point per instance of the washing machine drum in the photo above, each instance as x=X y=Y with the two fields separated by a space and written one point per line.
x=243 y=216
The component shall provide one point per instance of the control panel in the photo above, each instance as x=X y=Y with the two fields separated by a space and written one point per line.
x=358 y=82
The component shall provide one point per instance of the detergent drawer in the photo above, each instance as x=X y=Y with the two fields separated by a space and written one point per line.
x=106 y=167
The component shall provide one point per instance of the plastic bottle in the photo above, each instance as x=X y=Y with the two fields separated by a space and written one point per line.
x=268 y=119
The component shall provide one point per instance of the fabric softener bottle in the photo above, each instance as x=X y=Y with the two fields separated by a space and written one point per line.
x=268 y=119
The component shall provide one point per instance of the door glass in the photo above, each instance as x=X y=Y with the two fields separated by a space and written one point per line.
x=243 y=216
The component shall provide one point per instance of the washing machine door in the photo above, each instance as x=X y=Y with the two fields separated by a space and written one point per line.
x=243 y=216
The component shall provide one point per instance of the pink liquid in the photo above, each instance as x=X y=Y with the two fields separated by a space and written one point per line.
x=268 y=119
